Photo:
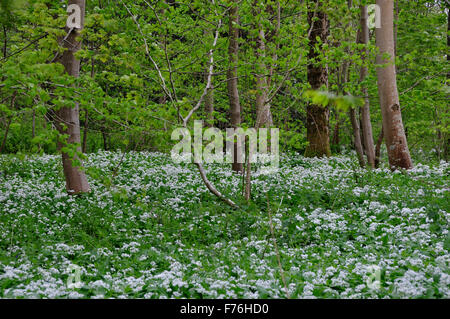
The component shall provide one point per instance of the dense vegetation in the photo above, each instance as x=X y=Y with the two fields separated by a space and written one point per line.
x=361 y=192
x=121 y=90
x=156 y=231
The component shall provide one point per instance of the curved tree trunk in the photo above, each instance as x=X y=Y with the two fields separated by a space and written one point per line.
x=317 y=116
x=394 y=132
x=68 y=121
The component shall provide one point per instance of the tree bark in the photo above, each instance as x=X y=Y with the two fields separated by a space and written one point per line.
x=86 y=122
x=263 y=114
x=209 y=99
x=317 y=130
x=8 y=124
x=336 y=139
x=357 y=136
x=263 y=78
x=232 y=81
x=105 y=139
x=5 y=137
x=378 y=149
x=209 y=108
x=394 y=132
x=365 y=110
x=446 y=137
x=33 y=124
x=86 y=114
x=68 y=121
x=5 y=42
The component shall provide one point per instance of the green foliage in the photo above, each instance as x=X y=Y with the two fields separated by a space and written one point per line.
x=120 y=88
x=340 y=102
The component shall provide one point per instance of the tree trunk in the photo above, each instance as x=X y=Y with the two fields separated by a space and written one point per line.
x=5 y=42
x=446 y=137
x=336 y=139
x=86 y=115
x=33 y=124
x=357 y=136
x=105 y=139
x=68 y=121
x=317 y=130
x=8 y=124
x=378 y=149
x=232 y=82
x=365 y=110
x=209 y=100
x=5 y=137
x=263 y=114
x=394 y=132
x=209 y=108
x=86 y=122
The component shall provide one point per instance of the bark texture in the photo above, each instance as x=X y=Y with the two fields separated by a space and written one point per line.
x=397 y=147
x=232 y=83
x=263 y=114
x=317 y=116
x=68 y=118
x=366 y=124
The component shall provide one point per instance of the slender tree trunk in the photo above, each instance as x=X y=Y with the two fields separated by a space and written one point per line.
x=263 y=77
x=5 y=137
x=209 y=108
x=378 y=149
x=86 y=114
x=5 y=42
x=68 y=121
x=105 y=139
x=263 y=114
x=33 y=127
x=209 y=99
x=394 y=132
x=336 y=139
x=317 y=130
x=232 y=81
x=8 y=124
x=357 y=136
x=365 y=110
x=446 y=135
x=86 y=123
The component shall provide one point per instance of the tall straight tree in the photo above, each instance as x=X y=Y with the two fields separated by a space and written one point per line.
x=68 y=118
x=353 y=111
x=209 y=98
x=394 y=133
x=262 y=74
x=317 y=130
x=232 y=81
x=366 y=125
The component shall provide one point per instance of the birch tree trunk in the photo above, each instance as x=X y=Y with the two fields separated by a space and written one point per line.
x=68 y=121
x=232 y=82
x=397 y=147
x=317 y=130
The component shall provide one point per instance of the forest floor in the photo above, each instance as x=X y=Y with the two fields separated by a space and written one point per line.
x=154 y=231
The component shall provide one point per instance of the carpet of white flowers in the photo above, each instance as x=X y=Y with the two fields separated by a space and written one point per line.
x=150 y=229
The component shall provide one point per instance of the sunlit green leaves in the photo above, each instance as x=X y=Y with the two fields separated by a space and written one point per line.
x=340 y=102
